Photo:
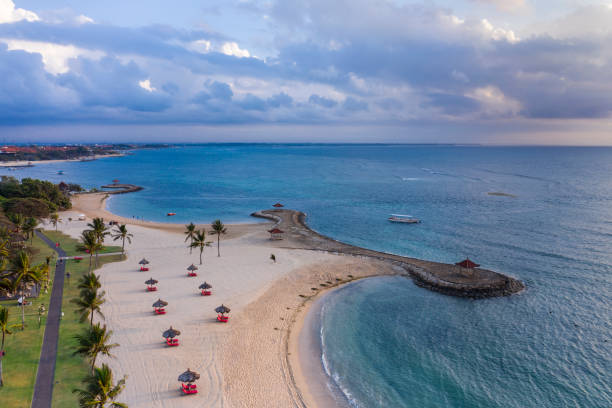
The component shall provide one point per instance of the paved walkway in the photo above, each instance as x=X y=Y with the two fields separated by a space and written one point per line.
x=43 y=389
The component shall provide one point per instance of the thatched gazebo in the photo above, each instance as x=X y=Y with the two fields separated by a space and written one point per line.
x=276 y=234
x=191 y=270
x=222 y=310
x=278 y=205
x=187 y=378
x=468 y=265
x=159 y=306
x=205 y=287
x=151 y=284
x=170 y=335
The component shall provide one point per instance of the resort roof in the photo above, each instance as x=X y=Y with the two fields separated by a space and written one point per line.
x=466 y=263
x=276 y=231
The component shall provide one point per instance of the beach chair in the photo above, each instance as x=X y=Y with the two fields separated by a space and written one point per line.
x=192 y=274
x=160 y=311
x=189 y=389
x=172 y=342
x=206 y=293
x=222 y=319
x=151 y=288
x=144 y=269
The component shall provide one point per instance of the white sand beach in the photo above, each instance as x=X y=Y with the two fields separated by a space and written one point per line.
x=243 y=363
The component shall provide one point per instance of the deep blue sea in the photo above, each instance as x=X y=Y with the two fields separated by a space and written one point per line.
x=387 y=342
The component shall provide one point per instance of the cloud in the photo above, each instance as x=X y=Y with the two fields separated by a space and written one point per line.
x=10 y=14
x=505 y=5
x=146 y=85
x=231 y=48
x=322 y=101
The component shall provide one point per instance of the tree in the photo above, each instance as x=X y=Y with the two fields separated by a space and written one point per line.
x=89 y=243
x=88 y=304
x=217 y=229
x=100 y=231
x=100 y=392
x=28 y=228
x=54 y=219
x=18 y=220
x=23 y=275
x=4 y=328
x=89 y=281
x=95 y=341
x=4 y=253
x=190 y=234
x=199 y=241
x=122 y=233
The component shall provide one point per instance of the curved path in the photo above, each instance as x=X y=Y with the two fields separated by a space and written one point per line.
x=43 y=389
x=444 y=278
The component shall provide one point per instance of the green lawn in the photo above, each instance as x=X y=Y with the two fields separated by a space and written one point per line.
x=23 y=347
x=70 y=369
x=70 y=245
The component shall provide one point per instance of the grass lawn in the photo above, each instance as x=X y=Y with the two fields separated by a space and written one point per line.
x=23 y=347
x=70 y=369
x=70 y=245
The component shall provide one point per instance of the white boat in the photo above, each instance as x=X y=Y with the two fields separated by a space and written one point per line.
x=403 y=218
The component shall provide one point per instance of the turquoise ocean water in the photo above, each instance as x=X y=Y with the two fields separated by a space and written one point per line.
x=386 y=342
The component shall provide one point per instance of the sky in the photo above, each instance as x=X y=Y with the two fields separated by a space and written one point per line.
x=462 y=71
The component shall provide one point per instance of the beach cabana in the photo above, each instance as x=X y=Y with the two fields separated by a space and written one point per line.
x=468 y=265
x=278 y=205
x=159 y=307
x=151 y=285
x=191 y=270
x=276 y=234
x=222 y=310
x=143 y=265
x=170 y=335
x=205 y=287
x=187 y=379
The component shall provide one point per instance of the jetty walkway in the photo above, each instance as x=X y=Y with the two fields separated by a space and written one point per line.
x=440 y=277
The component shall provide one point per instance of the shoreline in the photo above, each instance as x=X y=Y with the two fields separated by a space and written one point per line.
x=32 y=163
x=264 y=355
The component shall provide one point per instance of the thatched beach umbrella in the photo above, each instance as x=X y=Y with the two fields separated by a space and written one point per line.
x=171 y=333
x=189 y=376
x=151 y=282
x=278 y=205
x=143 y=261
x=192 y=268
x=205 y=286
x=222 y=309
x=467 y=264
x=160 y=303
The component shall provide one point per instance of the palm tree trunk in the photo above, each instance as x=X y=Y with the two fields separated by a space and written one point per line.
x=201 y=250
x=23 y=312
x=93 y=363
x=218 y=242
x=90 y=255
x=1 y=357
x=91 y=319
x=190 y=245
x=123 y=246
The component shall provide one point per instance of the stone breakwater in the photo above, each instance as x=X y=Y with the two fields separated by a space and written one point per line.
x=444 y=278
x=121 y=188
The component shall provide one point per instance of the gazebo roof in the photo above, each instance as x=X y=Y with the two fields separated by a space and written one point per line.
x=278 y=205
x=466 y=263
x=276 y=231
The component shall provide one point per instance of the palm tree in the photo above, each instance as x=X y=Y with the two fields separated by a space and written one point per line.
x=28 y=228
x=217 y=229
x=89 y=243
x=4 y=328
x=18 y=220
x=199 y=241
x=100 y=392
x=100 y=231
x=23 y=274
x=122 y=233
x=89 y=304
x=89 y=281
x=54 y=219
x=5 y=233
x=4 y=253
x=94 y=342
x=190 y=234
